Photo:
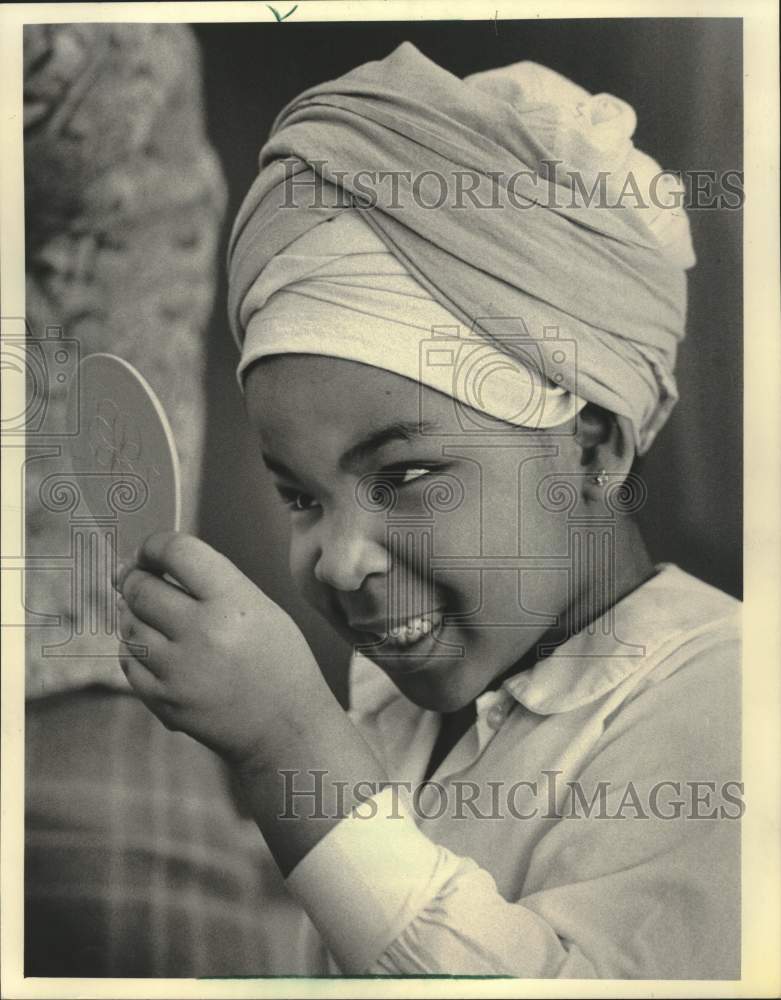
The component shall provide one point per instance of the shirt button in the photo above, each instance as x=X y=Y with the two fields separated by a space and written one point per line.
x=495 y=716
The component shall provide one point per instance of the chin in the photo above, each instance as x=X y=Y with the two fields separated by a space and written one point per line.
x=449 y=682
x=443 y=685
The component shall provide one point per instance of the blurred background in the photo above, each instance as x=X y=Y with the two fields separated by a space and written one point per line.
x=683 y=77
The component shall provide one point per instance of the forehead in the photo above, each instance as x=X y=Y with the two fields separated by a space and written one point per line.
x=290 y=391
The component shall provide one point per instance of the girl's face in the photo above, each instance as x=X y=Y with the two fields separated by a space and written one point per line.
x=408 y=519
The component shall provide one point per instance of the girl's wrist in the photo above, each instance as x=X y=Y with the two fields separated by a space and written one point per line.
x=300 y=722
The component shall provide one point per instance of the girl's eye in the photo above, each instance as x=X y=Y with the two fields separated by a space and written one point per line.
x=302 y=501
x=296 y=501
x=413 y=473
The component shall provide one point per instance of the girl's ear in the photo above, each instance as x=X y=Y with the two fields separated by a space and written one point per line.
x=606 y=443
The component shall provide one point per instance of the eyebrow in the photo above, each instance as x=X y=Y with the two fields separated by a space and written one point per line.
x=402 y=430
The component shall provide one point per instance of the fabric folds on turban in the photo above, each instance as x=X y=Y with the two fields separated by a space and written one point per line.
x=483 y=189
x=338 y=290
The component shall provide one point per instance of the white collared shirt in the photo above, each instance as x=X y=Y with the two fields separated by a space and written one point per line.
x=571 y=857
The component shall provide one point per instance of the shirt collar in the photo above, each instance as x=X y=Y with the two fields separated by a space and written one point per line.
x=633 y=634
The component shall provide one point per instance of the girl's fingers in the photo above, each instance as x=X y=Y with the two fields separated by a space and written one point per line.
x=150 y=646
x=156 y=602
x=144 y=683
x=201 y=570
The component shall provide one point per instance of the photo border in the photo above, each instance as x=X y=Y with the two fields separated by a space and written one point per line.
x=762 y=491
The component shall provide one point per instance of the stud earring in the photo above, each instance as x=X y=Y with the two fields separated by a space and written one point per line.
x=601 y=477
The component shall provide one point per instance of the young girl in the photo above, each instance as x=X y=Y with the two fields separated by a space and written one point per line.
x=457 y=330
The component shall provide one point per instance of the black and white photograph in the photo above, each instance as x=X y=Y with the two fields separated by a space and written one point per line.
x=390 y=447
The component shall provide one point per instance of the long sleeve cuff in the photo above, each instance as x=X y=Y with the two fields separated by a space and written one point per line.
x=368 y=878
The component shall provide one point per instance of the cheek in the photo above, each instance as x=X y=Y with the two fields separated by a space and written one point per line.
x=458 y=529
x=301 y=562
x=544 y=529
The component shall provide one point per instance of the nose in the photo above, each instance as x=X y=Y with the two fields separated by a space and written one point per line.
x=350 y=549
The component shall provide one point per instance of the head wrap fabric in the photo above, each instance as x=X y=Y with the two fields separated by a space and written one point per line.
x=609 y=277
x=337 y=290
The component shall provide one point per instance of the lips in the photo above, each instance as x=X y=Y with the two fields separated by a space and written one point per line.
x=403 y=634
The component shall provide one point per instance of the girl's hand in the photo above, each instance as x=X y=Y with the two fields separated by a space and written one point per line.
x=223 y=662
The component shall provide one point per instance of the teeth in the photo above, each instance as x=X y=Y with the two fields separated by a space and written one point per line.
x=414 y=629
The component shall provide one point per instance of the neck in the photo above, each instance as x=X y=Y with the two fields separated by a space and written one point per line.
x=630 y=568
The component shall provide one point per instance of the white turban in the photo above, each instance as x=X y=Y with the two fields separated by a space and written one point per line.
x=592 y=277
x=338 y=291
